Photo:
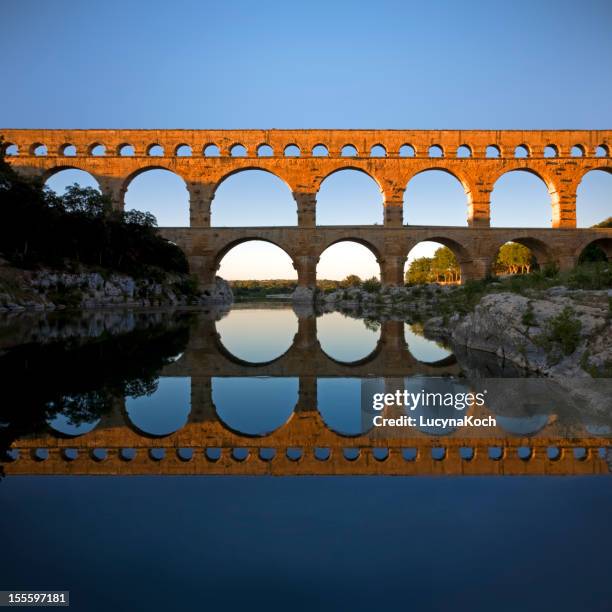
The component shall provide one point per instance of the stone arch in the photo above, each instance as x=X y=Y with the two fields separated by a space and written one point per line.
x=223 y=251
x=10 y=149
x=463 y=255
x=320 y=150
x=542 y=252
x=462 y=180
x=604 y=198
x=351 y=168
x=50 y=173
x=100 y=147
x=603 y=242
x=68 y=150
x=183 y=150
x=376 y=251
x=163 y=221
x=355 y=255
x=548 y=183
x=279 y=179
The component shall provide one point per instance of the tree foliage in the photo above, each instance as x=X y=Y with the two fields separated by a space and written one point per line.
x=441 y=268
x=40 y=228
x=514 y=258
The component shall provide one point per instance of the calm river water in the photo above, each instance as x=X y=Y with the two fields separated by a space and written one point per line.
x=227 y=459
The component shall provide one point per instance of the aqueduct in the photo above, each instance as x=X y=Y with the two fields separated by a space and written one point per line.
x=466 y=154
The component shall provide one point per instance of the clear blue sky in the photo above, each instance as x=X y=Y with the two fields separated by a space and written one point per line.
x=531 y=65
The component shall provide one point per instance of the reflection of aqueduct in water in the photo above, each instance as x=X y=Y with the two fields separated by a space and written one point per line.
x=305 y=444
x=99 y=153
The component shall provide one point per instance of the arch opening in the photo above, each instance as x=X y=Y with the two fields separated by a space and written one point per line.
x=435 y=151
x=238 y=150
x=521 y=198
x=253 y=198
x=97 y=149
x=160 y=192
x=602 y=151
x=378 y=151
x=514 y=258
x=349 y=197
x=599 y=250
x=155 y=150
x=522 y=151
x=577 y=151
x=348 y=260
x=348 y=150
x=492 y=151
x=435 y=197
x=68 y=150
x=346 y=339
x=183 y=150
x=436 y=261
x=211 y=150
x=39 y=150
x=551 y=151
x=292 y=150
x=63 y=178
x=594 y=198
x=464 y=151
x=407 y=151
x=265 y=150
x=126 y=150
x=11 y=149
x=235 y=399
x=320 y=150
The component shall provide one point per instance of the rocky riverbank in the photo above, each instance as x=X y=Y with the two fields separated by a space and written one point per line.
x=85 y=289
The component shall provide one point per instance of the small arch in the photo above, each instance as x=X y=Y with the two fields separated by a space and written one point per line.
x=265 y=150
x=38 y=149
x=493 y=151
x=349 y=150
x=10 y=149
x=126 y=150
x=464 y=151
x=602 y=151
x=407 y=150
x=292 y=150
x=378 y=151
x=183 y=150
x=155 y=150
x=68 y=150
x=522 y=151
x=551 y=150
x=435 y=151
x=320 y=150
x=349 y=196
x=211 y=150
x=577 y=150
x=238 y=150
x=97 y=149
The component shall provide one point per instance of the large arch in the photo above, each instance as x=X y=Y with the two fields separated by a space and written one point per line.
x=252 y=197
x=594 y=197
x=349 y=196
x=427 y=248
x=541 y=251
x=159 y=191
x=522 y=198
x=436 y=196
x=347 y=256
x=58 y=179
x=254 y=273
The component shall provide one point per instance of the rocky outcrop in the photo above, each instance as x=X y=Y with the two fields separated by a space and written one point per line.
x=560 y=333
x=48 y=290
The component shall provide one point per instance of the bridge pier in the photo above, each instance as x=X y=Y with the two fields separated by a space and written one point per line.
x=392 y=270
x=306 y=208
x=306 y=267
x=200 y=200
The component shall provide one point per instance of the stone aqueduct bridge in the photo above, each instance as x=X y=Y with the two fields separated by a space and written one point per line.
x=475 y=246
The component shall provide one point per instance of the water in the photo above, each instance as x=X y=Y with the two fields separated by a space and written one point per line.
x=180 y=420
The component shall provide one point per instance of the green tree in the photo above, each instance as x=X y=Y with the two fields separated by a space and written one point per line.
x=514 y=258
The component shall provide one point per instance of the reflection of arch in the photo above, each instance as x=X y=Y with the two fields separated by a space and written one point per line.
x=243 y=362
x=241 y=399
x=358 y=362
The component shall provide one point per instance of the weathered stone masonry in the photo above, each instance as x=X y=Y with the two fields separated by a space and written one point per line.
x=475 y=246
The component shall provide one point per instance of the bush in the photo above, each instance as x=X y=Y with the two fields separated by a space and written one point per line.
x=371 y=285
x=561 y=334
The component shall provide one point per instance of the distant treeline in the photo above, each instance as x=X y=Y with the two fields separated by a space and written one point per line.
x=38 y=228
